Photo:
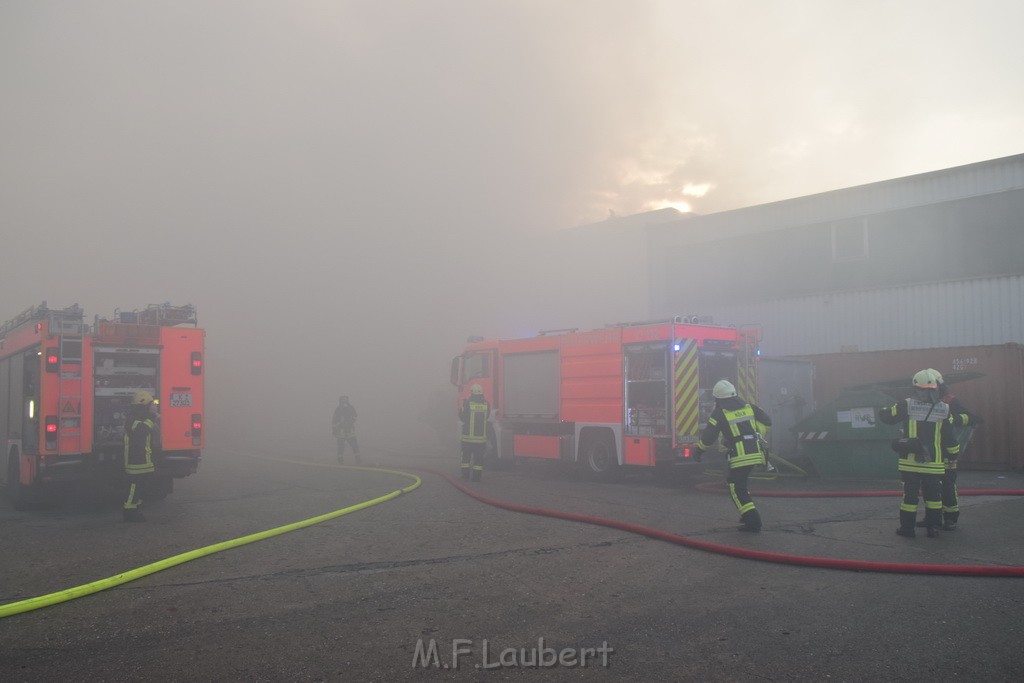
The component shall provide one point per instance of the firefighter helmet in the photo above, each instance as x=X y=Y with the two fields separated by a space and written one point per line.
x=723 y=389
x=142 y=398
x=476 y=390
x=925 y=379
x=937 y=375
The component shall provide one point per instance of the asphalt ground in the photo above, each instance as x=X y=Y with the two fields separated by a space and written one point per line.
x=362 y=597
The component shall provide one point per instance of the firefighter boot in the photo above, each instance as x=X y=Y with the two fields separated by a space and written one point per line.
x=907 y=524
x=949 y=520
x=933 y=522
x=478 y=471
x=465 y=472
x=133 y=515
x=751 y=521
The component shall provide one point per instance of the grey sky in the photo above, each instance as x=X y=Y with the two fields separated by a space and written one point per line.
x=346 y=189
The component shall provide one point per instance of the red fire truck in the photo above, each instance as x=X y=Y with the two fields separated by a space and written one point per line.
x=65 y=387
x=627 y=394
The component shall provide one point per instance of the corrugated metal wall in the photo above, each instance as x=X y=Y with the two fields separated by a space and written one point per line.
x=977 y=312
x=997 y=395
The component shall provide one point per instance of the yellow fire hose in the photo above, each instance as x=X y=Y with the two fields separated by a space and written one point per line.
x=103 y=584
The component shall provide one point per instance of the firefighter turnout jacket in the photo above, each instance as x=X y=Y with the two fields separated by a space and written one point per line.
x=474 y=415
x=739 y=424
x=139 y=439
x=964 y=423
x=928 y=432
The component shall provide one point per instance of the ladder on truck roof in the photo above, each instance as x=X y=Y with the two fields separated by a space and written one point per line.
x=57 y=318
x=166 y=315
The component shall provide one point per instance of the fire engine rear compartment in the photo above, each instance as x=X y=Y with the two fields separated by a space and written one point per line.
x=118 y=373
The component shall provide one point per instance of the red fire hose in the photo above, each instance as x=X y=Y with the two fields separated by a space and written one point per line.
x=763 y=556
x=715 y=487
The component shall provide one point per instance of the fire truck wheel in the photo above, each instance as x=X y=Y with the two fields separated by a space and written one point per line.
x=599 y=456
x=22 y=497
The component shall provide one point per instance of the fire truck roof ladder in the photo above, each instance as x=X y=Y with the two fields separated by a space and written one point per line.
x=637 y=323
x=168 y=315
x=68 y=319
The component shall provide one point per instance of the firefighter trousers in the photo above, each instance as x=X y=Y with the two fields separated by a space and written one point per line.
x=737 y=480
x=929 y=486
x=473 y=460
x=137 y=488
x=350 y=439
x=950 y=498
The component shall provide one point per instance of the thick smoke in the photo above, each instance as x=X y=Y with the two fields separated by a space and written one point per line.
x=346 y=190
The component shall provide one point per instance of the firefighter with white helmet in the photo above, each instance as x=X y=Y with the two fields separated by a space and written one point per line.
x=739 y=423
x=723 y=389
x=474 y=415
x=928 y=443
x=141 y=439
x=964 y=423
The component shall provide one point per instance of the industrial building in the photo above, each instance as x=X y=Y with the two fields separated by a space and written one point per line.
x=866 y=285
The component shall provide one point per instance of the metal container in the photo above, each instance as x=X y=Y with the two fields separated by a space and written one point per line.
x=988 y=379
x=844 y=438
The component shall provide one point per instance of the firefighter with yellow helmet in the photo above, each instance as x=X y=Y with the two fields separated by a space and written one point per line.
x=474 y=415
x=928 y=443
x=739 y=423
x=141 y=439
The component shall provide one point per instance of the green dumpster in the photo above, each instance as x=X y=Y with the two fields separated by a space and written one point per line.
x=845 y=439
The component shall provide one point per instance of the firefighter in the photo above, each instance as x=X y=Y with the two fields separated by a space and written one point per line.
x=474 y=415
x=927 y=440
x=343 y=426
x=141 y=436
x=964 y=423
x=739 y=423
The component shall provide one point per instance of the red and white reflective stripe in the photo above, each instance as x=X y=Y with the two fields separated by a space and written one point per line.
x=813 y=436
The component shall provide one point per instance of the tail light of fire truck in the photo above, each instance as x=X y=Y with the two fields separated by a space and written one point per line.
x=687 y=452
x=197 y=363
x=51 y=432
x=52 y=360
x=197 y=429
